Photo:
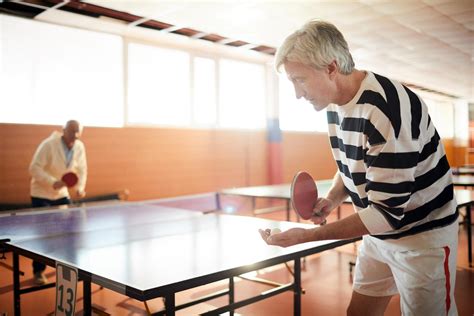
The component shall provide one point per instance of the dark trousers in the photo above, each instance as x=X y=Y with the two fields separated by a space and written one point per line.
x=39 y=267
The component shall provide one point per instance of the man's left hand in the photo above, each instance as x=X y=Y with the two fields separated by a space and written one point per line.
x=287 y=238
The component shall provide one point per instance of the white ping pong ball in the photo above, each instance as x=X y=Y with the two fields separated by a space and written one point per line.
x=275 y=231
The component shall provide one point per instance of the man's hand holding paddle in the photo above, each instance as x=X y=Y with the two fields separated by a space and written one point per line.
x=307 y=204
x=69 y=180
x=321 y=210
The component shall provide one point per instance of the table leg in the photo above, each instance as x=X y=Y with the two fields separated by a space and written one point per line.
x=218 y=202
x=469 y=234
x=86 y=290
x=16 y=284
x=297 y=290
x=170 y=305
x=231 y=294
x=288 y=211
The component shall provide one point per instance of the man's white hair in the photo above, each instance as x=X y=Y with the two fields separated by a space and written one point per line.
x=316 y=44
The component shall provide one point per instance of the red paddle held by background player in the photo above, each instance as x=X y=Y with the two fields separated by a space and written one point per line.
x=70 y=179
x=304 y=195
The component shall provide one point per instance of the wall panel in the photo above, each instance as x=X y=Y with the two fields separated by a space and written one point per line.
x=309 y=152
x=150 y=162
x=159 y=162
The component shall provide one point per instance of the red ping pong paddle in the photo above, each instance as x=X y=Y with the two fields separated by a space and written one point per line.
x=304 y=195
x=70 y=178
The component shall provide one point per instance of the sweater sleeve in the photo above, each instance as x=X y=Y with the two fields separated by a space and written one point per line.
x=81 y=168
x=39 y=162
x=390 y=177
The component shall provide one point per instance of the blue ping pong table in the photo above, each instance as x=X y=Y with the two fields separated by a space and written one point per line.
x=144 y=251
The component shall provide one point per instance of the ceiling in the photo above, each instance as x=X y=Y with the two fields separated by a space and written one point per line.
x=426 y=43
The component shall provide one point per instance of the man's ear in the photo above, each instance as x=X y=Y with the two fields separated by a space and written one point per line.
x=332 y=69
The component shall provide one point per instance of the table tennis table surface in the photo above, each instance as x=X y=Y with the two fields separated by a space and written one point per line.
x=464 y=198
x=463 y=180
x=275 y=191
x=145 y=250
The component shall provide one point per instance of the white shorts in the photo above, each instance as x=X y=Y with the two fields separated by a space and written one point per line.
x=424 y=278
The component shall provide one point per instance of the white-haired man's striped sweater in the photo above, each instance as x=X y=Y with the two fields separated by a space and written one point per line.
x=392 y=162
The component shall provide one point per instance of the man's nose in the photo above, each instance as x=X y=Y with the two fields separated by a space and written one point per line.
x=299 y=92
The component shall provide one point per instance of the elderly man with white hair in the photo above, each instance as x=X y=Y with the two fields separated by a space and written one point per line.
x=392 y=164
x=57 y=155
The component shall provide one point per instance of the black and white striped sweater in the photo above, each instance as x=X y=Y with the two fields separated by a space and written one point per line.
x=391 y=160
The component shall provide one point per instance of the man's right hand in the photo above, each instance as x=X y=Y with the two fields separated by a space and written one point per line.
x=58 y=185
x=322 y=209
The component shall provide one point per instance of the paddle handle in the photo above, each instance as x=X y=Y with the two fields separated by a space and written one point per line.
x=320 y=214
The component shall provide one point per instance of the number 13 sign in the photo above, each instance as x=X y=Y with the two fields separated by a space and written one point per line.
x=66 y=285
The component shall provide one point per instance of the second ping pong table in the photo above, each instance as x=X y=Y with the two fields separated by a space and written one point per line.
x=465 y=170
x=274 y=191
x=465 y=181
x=464 y=199
x=144 y=251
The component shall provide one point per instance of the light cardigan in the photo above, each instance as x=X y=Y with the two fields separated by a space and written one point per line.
x=49 y=164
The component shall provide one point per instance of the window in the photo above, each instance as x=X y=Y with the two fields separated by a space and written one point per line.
x=441 y=111
x=241 y=94
x=298 y=114
x=51 y=74
x=158 y=86
x=442 y=115
x=461 y=122
x=204 y=92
